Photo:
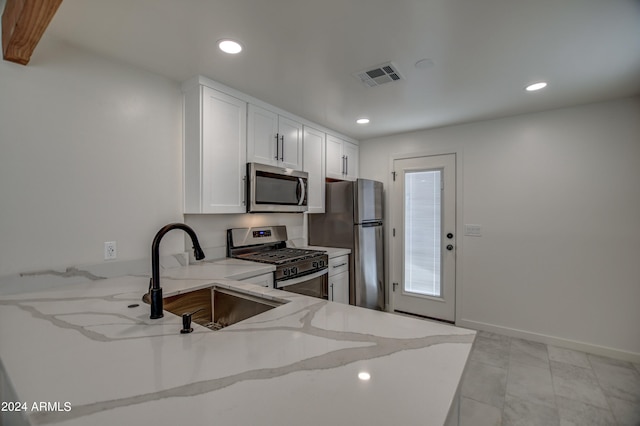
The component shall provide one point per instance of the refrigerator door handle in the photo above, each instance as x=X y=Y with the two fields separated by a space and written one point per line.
x=371 y=224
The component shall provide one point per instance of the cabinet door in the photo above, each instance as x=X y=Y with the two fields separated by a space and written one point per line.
x=313 y=149
x=339 y=288
x=351 y=153
x=262 y=127
x=223 y=153
x=290 y=150
x=335 y=161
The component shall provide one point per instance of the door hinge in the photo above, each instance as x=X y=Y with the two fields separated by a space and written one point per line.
x=394 y=232
x=394 y=176
x=394 y=287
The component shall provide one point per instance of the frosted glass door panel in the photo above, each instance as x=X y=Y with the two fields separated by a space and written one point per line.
x=423 y=218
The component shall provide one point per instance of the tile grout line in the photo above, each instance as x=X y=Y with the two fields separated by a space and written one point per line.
x=606 y=397
x=506 y=384
x=553 y=386
x=609 y=407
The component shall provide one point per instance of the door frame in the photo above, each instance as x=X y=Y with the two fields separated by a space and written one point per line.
x=458 y=151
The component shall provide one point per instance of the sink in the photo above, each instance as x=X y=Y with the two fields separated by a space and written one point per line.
x=218 y=307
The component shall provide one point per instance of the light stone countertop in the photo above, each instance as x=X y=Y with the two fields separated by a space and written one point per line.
x=297 y=364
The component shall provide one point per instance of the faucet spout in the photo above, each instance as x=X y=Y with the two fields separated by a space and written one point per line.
x=155 y=291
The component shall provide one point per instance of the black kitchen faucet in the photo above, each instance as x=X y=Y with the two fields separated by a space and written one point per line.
x=155 y=291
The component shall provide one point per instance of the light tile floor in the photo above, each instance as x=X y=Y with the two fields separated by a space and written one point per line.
x=512 y=381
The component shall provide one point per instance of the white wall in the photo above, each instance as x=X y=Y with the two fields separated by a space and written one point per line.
x=558 y=197
x=90 y=151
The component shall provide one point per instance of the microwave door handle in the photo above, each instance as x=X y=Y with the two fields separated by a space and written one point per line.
x=301 y=191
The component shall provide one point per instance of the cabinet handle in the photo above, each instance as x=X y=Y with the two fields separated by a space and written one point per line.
x=244 y=193
x=346 y=160
x=331 y=291
x=343 y=157
x=282 y=153
x=342 y=264
x=277 y=147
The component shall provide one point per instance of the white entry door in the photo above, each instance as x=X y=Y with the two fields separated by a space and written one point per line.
x=423 y=258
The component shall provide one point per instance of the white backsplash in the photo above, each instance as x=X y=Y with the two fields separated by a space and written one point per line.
x=212 y=229
x=212 y=235
x=43 y=279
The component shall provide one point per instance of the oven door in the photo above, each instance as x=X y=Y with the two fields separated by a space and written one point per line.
x=314 y=285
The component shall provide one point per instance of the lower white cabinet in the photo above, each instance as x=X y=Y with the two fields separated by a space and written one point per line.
x=339 y=279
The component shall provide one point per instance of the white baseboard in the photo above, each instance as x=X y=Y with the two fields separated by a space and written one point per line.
x=551 y=340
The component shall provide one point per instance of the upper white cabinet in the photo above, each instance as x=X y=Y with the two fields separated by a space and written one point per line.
x=313 y=144
x=342 y=159
x=351 y=156
x=224 y=129
x=214 y=151
x=273 y=139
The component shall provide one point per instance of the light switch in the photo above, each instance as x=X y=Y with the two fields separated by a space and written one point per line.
x=472 y=230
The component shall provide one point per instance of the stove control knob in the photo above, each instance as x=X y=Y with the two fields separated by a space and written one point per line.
x=294 y=270
x=314 y=264
x=286 y=272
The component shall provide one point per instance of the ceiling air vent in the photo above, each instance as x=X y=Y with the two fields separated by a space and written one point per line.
x=380 y=74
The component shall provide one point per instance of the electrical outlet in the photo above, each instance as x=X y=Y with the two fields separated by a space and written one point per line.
x=110 y=252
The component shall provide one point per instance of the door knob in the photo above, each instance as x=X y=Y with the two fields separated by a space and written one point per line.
x=449 y=235
x=449 y=247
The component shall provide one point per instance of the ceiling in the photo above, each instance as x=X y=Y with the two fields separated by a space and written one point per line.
x=300 y=55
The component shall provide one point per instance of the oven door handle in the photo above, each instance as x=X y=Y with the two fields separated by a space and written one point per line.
x=293 y=281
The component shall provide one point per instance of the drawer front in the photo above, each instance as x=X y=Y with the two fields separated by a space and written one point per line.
x=339 y=264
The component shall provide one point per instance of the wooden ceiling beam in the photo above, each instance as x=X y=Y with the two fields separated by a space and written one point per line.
x=23 y=24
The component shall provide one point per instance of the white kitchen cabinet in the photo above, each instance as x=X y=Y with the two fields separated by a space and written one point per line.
x=342 y=159
x=351 y=155
x=214 y=151
x=339 y=279
x=313 y=149
x=273 y=139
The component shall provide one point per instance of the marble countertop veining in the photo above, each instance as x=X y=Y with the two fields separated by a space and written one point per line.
x=296 y=364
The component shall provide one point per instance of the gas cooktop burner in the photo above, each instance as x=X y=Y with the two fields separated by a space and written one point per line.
x=267 y=244
x=280 y=256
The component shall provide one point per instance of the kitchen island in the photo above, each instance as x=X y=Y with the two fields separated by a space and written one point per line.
x=92 y=356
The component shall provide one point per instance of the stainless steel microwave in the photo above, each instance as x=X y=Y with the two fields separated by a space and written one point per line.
x=275 y=189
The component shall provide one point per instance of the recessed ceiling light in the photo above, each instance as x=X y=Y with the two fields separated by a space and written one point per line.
x=536 y=86
x=362 y=121
x=230 y=46
x=363 y=375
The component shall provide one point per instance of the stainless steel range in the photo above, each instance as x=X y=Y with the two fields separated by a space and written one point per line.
x=297 y=270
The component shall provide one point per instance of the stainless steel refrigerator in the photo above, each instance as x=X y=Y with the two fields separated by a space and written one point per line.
x=353 y=219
